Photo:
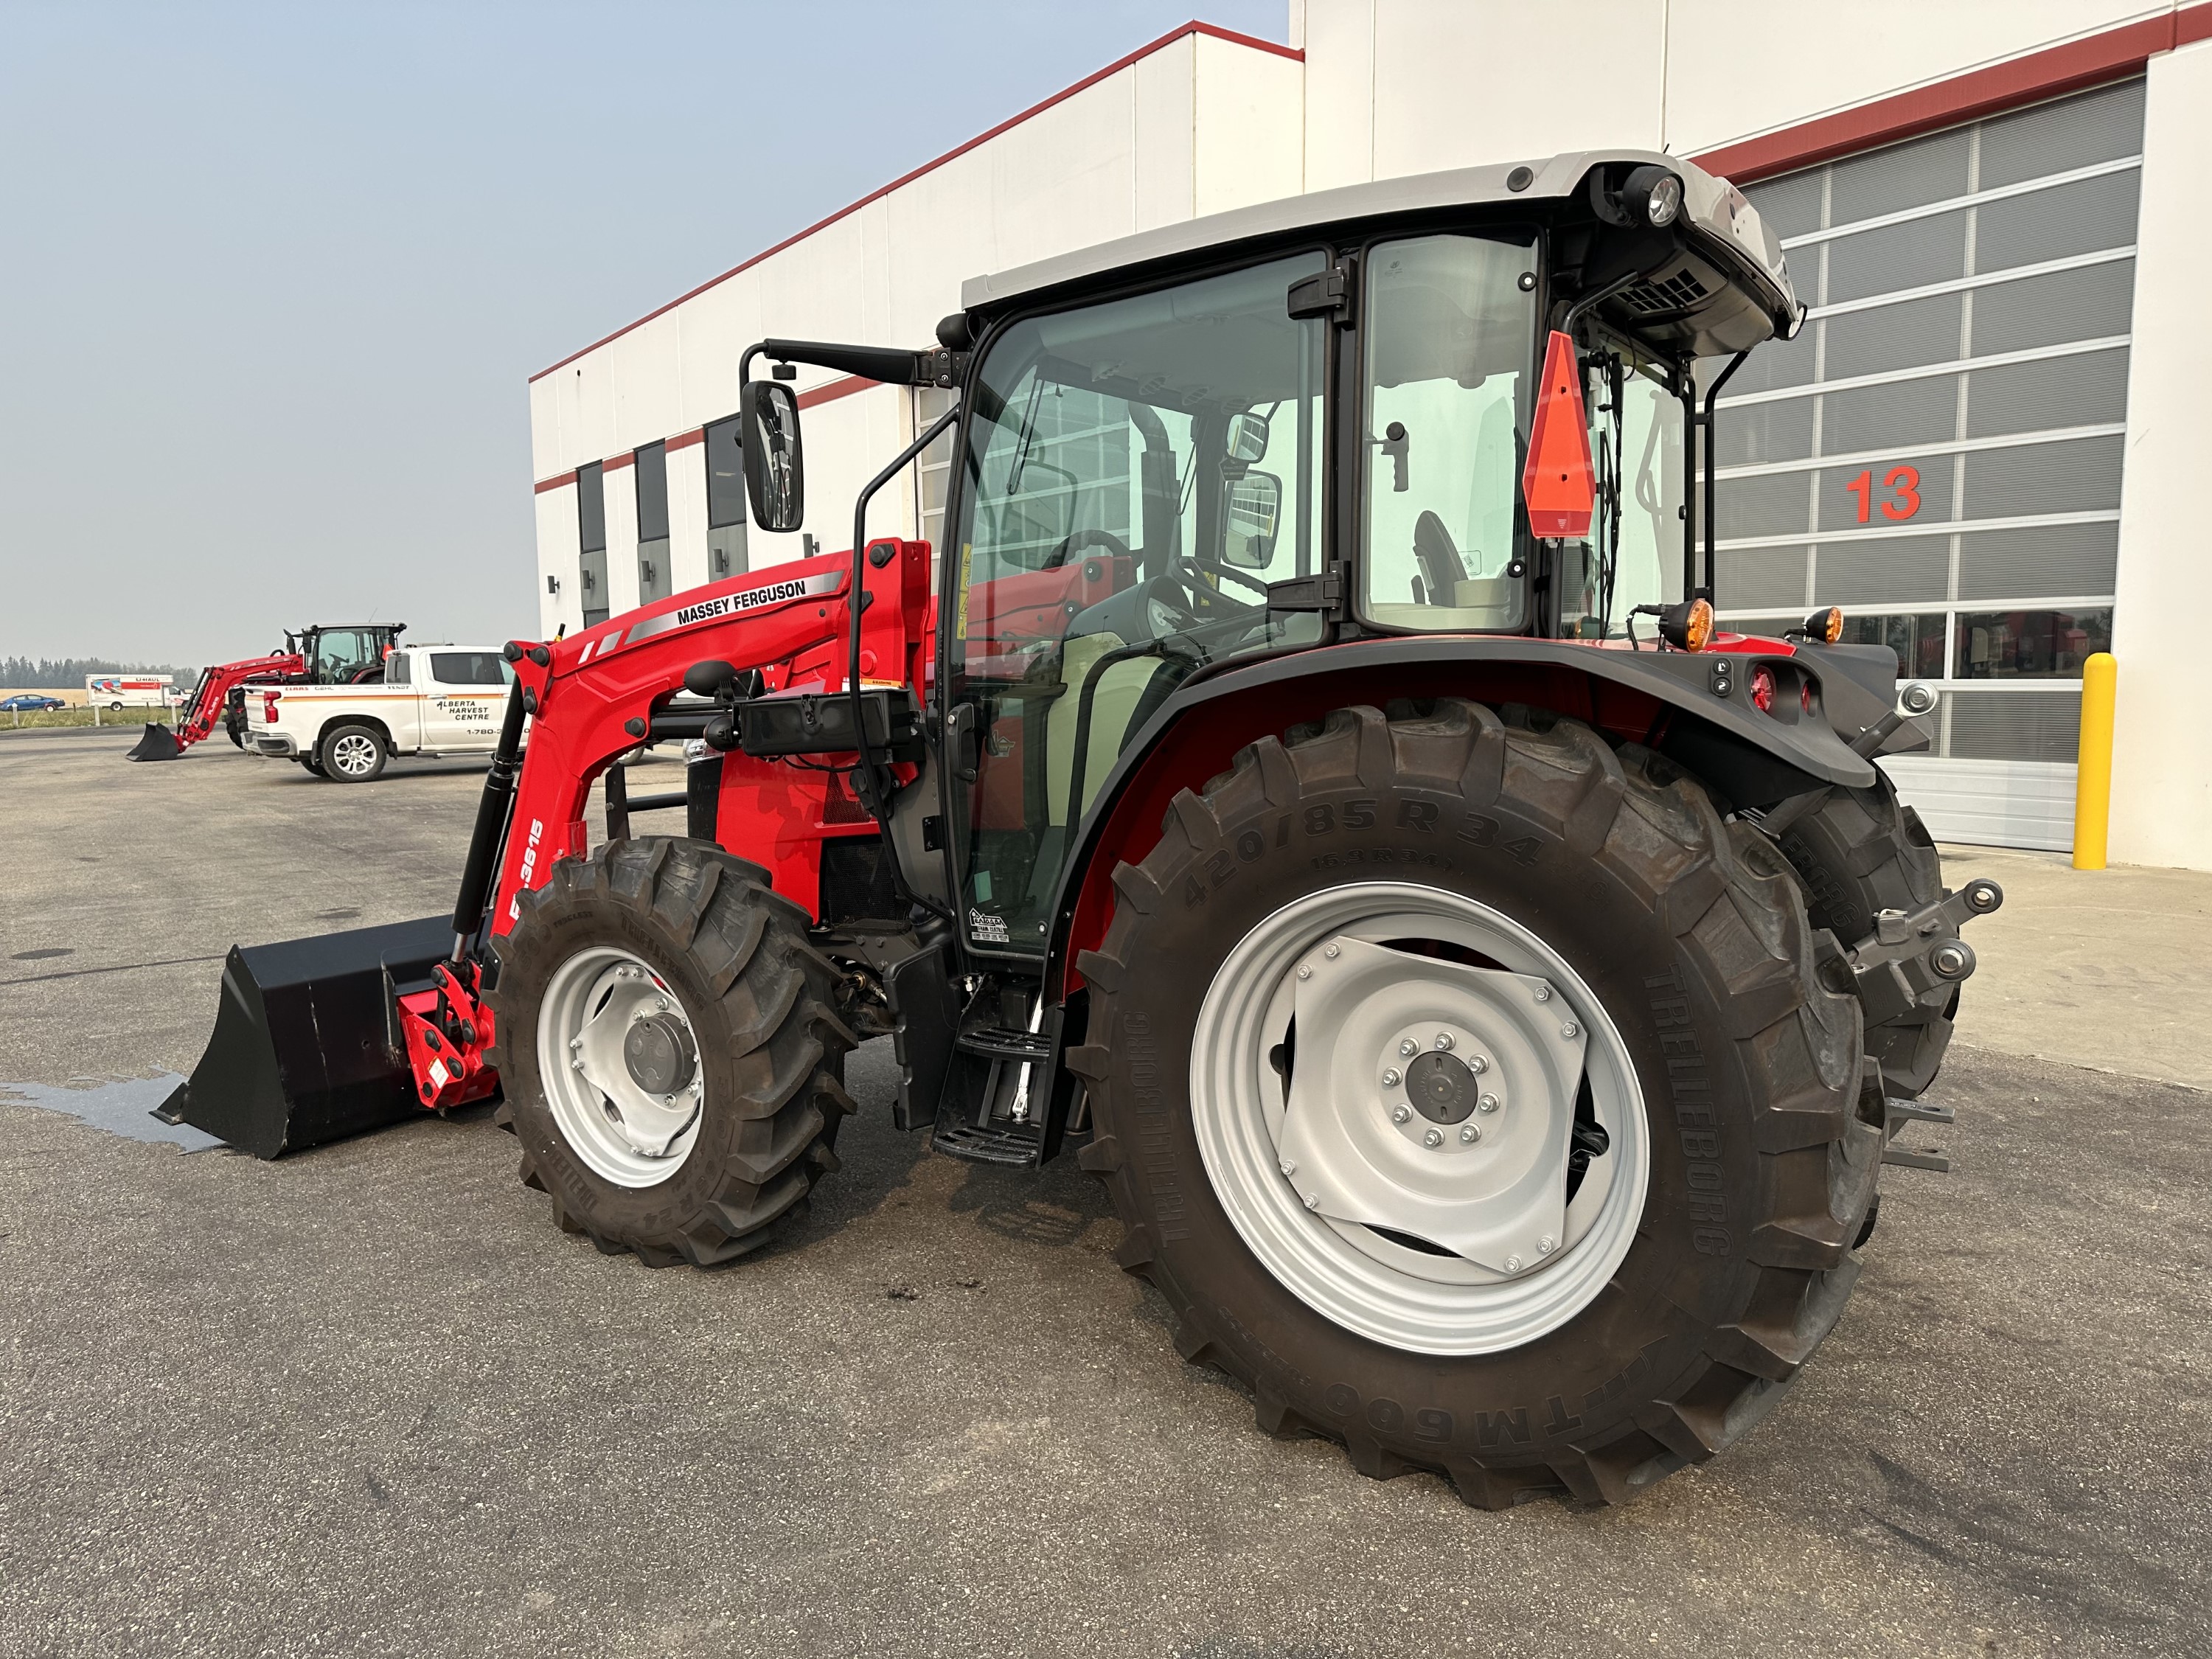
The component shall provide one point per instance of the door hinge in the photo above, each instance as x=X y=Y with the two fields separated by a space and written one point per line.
x=1325 y=293
x=1323 y=593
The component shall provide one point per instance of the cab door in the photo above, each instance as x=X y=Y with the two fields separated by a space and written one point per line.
x=461 y=700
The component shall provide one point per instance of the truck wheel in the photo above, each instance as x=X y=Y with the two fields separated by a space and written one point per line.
x=1468 y=1090
x=312 y=765
x=669 y=1051
x=1860 y=854
x=352 y=753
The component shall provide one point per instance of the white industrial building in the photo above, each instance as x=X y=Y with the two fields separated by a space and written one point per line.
x=1986 y=203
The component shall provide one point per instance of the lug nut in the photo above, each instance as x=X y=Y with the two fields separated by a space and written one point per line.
x=1409 y=1048
x=1289 y=1169
x=1444 y=1041
x=1304 y=972
x=1400 y=1114
x=1333 y=952
x=1543 y=993
x=1546 y=1245
x=1469 y=1135
x=1390 y=1078
x=1313 y=1202
x=1433 y=1138
x=1570 y=1029
x=1477 y=1065
x=1512 y=1264
x=661 y=1003
x=1487 y=1104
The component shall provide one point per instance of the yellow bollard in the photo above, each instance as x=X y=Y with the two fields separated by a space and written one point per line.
x=2093 y=778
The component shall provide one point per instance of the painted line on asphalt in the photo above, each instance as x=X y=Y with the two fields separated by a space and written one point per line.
x=119 y=968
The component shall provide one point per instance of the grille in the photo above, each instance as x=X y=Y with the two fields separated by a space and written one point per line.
x=1674 y=293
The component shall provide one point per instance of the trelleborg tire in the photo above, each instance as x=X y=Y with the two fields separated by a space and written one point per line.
x=685 y=929
x=1862 y=852
x=1684 y=938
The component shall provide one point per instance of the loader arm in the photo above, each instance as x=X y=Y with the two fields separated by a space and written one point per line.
x=202 y=712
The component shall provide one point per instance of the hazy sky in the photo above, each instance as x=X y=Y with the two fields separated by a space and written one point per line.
x=273 y=277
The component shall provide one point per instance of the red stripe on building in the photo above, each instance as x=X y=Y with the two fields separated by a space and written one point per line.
x=1059 y=97
x=2034 y=75
x=557 y=481
x=685 y=439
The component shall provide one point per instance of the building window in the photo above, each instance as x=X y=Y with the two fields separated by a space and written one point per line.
x=932 y=472
x=652 y=474
x=591 y=540
x=726 y=502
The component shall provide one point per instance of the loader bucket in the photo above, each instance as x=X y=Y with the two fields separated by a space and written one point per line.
x=159 y=743
x=307 y=1047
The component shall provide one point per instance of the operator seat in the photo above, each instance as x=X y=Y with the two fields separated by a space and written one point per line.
x=1124 y=694
x=1444 y=572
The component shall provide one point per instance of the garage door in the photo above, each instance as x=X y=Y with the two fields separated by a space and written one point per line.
x=1939 y=452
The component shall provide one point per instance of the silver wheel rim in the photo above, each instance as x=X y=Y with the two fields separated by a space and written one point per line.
x=624 y=1132
x=1307 y=1168
x=354 y=754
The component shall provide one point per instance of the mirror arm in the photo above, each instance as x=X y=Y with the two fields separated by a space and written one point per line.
x=874 y=792
x=886 y=365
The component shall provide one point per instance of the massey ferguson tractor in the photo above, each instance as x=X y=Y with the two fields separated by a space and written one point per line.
x=1311 y=787
x=314 y=656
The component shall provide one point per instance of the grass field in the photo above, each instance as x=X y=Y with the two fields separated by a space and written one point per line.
x=16 y=720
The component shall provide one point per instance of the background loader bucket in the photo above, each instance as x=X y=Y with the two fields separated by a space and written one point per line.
x=307 y=1045
x=158 y=743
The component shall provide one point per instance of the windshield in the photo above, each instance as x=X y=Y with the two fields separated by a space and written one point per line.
x=1451 y=326
x=1135 y=474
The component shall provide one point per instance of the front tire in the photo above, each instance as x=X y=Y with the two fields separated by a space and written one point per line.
x=701 y=1142
x=1745 y=1161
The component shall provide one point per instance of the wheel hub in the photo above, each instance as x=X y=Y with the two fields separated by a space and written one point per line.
x=1365 y=1142
x=658 y=1053
x=1385 y=1081
x=620 y=1065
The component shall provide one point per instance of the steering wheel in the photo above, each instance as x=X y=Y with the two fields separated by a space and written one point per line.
x=1076 y=540
x=1173 y=597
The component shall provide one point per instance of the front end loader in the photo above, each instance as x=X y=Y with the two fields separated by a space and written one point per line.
x=1313 y=788
x=320 y=655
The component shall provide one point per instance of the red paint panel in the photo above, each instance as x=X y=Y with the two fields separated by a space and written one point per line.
x=685 y=439
x=560 y=481
x=615 y=462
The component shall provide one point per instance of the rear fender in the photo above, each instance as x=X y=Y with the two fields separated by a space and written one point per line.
x=1672 y=701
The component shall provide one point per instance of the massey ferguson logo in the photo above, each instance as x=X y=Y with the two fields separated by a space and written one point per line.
x=722 y=605
x=775 y=593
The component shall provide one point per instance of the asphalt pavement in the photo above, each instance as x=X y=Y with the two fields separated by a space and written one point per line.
x=369 y=1399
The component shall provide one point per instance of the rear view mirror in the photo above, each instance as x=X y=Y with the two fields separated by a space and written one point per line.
x=1247 y=437
x=775 y=470
x=1252 y=516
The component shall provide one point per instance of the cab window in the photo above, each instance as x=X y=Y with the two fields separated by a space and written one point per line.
x=1450 y=328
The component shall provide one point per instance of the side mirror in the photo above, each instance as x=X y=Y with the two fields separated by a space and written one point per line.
x=1247 y=439
x=775 y=468
x=1251 y=517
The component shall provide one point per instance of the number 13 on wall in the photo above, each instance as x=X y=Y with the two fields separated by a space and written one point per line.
x=1904 y=483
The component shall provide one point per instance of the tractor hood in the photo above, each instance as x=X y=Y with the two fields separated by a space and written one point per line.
x=1716 y=280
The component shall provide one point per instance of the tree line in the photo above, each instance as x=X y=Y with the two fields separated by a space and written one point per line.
x=24 y=673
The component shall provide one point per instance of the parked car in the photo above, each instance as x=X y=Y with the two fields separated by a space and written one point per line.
x=25 y=701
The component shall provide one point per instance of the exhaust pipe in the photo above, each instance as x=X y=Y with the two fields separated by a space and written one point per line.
x=307 y=1047
x=157 y=743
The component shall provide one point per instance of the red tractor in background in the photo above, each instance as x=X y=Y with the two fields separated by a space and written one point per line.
x=320 y=655
x=1490 y=1015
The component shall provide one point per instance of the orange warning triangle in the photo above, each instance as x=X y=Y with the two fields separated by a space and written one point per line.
x=1558 y=483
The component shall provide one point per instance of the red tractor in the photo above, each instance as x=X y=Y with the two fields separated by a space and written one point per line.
x=1312 y=787
x=315 y=656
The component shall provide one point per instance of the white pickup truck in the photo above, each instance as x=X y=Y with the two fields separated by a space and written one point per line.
x=429 y=699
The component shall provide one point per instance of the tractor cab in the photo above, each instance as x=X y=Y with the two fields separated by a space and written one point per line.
x=1310 y=423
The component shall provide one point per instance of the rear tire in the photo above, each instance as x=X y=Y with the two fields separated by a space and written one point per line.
x=313 y=766
x=1689 y=937
x=755 y=997
x=352 y=753
x=1864 y=852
